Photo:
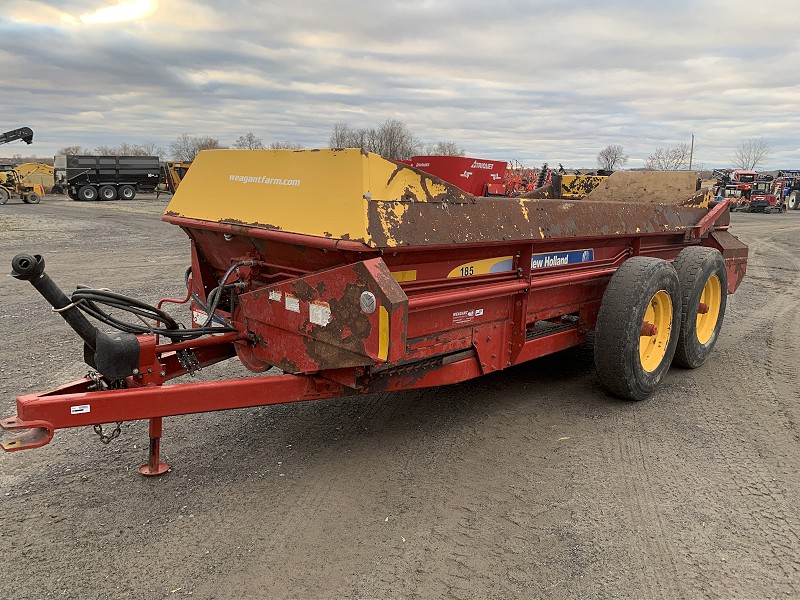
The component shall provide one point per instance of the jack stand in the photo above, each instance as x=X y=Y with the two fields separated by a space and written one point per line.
x=154 y=465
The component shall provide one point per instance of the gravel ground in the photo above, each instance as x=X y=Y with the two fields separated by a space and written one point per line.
x=528 y=482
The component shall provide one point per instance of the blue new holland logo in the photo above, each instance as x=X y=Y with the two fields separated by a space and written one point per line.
x=555 y=259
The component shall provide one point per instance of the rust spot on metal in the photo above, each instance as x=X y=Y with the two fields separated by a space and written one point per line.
x=546 y=191
x=302 y=290
x=498 y=219
x=336 y=343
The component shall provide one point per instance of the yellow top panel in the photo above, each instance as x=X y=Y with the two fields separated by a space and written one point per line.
x=322 y=193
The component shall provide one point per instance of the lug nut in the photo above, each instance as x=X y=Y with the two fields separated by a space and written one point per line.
x=648 y=329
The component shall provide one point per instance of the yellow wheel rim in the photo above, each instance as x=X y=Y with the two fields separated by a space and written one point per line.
x=656 y=331
x=708 y=310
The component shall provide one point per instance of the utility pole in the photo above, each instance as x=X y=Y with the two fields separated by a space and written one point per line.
x=691 y=153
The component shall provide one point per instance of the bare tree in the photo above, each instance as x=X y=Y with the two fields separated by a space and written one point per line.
x=669 y=159
x=344 y=136
x=391 y=139
x=611 y=157
x=151 y=149
x=74 y=150
x=285 y=145
x=125 y=149
x=249 y=141
x=340 y=136
x=444 y=149
x=751 y=153
x=185 y=147
x=395 y=140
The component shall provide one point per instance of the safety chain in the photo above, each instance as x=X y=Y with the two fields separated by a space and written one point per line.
x=107 y=437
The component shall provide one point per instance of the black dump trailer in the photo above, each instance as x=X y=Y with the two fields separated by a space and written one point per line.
x=106 y=177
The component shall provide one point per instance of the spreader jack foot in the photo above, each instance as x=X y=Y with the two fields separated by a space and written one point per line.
x=154 y=466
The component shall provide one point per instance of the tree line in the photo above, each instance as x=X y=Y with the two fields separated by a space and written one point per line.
x=391 y=138
x=749 y=155
x=394 y=139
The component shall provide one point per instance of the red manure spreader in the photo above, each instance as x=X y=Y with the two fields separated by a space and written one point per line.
x=355 y=274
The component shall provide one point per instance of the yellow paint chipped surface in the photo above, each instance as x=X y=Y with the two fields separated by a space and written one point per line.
x=524 y=206
x=322 y=193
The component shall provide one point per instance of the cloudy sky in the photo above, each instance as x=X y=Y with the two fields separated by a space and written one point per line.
x=532 y=81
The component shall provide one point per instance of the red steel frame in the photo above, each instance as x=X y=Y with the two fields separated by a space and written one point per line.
x=525 y=314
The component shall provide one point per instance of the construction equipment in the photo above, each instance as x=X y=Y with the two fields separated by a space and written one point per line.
x=354 y=274
x=787 y=187
x=23 y=133
x=762 y=198
x=172 y=173
x=40 y=173
x=734 y=184
x=106 y=177
x=12 y=185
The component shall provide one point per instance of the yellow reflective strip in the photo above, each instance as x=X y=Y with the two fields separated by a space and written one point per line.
x=400 y=276
x=383 y=333
x=478 y=267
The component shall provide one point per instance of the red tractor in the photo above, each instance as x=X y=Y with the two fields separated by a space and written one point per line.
x=787 y=187
x=762 y=197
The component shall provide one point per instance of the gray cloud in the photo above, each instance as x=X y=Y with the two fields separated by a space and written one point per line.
x=531 y=81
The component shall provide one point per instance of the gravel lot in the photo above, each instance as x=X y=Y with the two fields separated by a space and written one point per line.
x=528 y=482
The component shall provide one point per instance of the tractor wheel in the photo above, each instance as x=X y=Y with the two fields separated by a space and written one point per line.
x=793 y=201
x=704 y=296
x=32 y=198
x=127 y=192
x=87 y=193
x=108 y=192
x=637 y=327
x=4 y=195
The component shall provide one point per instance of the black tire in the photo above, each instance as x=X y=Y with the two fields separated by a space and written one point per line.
x=31 y=198
x=4 y=195
x=696 y=266
x=73 y=196
x=793 y=201
x=107 y=192
x=87 y=193
x=127 y=192
x=620 y=350
x=56 y=189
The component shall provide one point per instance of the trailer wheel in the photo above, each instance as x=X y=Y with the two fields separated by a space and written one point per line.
x=637 y=327
x=704 y=295
x=87 y=193
x=108 y=192
x=127 y=192
x=4 y=195
x=793 y=201
x=32 y=198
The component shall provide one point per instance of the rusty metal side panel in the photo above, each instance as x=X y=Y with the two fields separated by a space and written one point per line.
x=392 y=224
x=343 y=317
x=735 y=254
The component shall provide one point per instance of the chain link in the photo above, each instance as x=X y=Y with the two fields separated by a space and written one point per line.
x=107 y=437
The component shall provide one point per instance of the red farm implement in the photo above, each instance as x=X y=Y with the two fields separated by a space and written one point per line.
x=354 y=274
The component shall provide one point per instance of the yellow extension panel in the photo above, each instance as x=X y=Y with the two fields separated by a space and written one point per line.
x=321 y=193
